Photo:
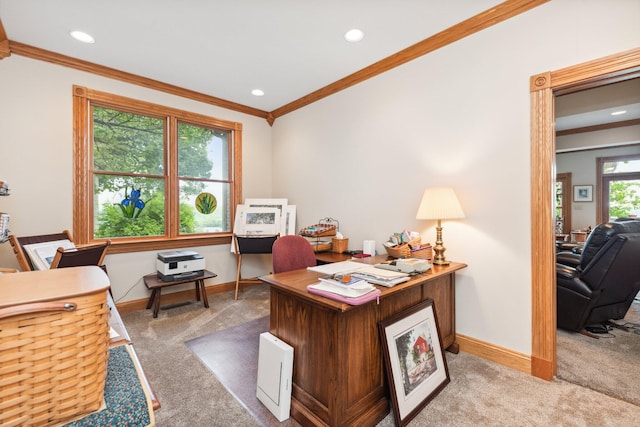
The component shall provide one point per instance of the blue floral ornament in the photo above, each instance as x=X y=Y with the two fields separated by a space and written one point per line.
x=131 y=206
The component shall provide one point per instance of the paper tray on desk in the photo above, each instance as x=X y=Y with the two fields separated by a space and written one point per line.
x=375 y=294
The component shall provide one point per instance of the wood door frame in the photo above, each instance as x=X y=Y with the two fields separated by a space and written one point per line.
x=543 y=89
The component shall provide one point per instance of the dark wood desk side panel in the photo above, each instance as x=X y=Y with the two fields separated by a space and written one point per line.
x=441 y=291
x=294 y=320
x=320 y=393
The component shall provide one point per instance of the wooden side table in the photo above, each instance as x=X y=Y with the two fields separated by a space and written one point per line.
x=155 y=284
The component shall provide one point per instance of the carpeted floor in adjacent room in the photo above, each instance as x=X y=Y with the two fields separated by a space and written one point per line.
x=481 y=393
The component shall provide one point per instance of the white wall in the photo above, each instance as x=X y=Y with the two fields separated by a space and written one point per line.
x=582 y=166
x=458 y=117
x=36 y=155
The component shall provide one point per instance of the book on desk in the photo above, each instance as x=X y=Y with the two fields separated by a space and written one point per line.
x=353 y=282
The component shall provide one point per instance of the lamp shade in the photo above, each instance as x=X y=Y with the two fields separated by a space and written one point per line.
x=439 y=203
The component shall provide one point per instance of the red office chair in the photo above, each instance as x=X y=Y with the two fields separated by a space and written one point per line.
x=292 y=253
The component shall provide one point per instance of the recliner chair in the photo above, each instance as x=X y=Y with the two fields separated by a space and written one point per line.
x=602 y=286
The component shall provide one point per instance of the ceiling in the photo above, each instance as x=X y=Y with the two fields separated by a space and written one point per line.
x=227 y=48
x=595 y=106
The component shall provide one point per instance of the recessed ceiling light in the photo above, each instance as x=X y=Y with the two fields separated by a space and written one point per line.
x=354 y=35
x=257 y=92
x=617 y=113
x=82 y=36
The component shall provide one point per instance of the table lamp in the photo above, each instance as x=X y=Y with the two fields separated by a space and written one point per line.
x=439 y=203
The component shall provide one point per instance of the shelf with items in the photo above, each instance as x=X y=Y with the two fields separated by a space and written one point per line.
x=316 y=234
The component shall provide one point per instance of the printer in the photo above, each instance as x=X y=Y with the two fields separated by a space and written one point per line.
x=179 y=265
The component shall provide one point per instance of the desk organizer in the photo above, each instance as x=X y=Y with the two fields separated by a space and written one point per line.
x=326 y=227
x=54 y=343
x=413 y=249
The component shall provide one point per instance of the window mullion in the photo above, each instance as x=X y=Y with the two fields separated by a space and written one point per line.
x=172 y=184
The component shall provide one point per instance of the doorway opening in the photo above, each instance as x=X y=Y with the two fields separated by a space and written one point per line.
x=544 y=87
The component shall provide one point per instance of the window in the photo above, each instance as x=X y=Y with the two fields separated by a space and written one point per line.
x=620 y=187
x=563 y=203
x=150 y=177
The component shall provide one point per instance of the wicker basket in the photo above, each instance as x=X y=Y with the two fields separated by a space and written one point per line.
x=320 y=246
x=403 y=250
x=399 y=251
x=53 y=352
x=338 y=246
x=422 y=252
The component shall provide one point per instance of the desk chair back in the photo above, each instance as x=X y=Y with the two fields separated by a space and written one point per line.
x=292 y=253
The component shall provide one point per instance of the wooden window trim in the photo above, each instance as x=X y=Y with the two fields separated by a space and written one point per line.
x=602 y=183
x=83 y=175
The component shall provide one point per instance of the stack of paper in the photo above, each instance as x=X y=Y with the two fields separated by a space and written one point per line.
x=342 y=267
x=352 y=288
x=380 y=277
x=362 y=271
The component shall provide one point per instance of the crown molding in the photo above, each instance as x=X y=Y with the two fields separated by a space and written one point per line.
x=78 y=64
x=479 y=22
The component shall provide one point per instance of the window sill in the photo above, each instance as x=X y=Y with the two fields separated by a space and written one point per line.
x=125 y=246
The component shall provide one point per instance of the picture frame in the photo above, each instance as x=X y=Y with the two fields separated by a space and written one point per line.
x=256 y=221
x=414 y=358
x=280 y=204
x=260 y=221
x=289 y=221
x=583 y=193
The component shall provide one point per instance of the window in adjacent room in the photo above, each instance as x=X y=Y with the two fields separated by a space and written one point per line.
x=150 y=177
x=563 y=204
x=620 y=187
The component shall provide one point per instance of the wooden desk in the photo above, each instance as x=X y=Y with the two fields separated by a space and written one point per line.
x=338 y=372
x=329 y=257
x=155 y=284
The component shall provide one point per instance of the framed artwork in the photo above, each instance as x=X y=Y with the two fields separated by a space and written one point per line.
x=260 y=221
x=414 y=359
x=289 y=221
x=267 y=203
x=583 y=193
x=280 y=204
x=256 y=221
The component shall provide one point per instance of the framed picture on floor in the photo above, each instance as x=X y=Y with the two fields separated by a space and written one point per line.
x=414 y=359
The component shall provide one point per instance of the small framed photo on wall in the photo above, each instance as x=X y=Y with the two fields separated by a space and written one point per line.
x=583 y=193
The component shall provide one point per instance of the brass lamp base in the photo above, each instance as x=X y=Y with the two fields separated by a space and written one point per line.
x=439 y=259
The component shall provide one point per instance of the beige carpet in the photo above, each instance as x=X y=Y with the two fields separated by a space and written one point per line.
x=232 y=356
x=609 y=364
x=481 y=393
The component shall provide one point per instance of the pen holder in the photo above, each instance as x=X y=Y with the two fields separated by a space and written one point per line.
x=338 y=246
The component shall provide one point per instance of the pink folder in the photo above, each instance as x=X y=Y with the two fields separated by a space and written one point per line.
x=352 y=301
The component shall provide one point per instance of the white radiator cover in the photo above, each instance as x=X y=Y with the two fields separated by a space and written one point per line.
x=275 y=370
